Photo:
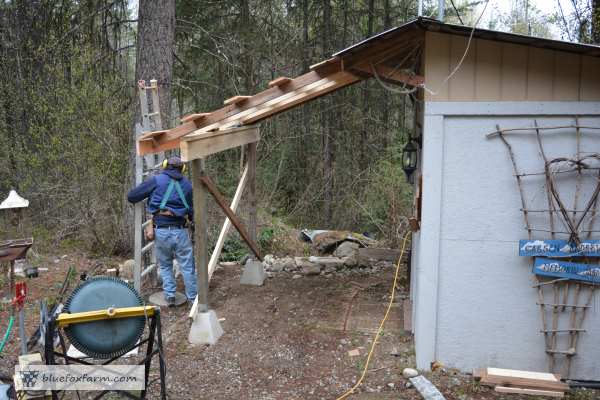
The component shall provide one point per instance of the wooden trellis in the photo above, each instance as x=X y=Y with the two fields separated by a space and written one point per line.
x=563 y=301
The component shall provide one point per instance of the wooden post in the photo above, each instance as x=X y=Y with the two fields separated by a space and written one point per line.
x=200 y=234
x=252 y=191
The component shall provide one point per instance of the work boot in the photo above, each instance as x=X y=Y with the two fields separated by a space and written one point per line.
x=170 y=301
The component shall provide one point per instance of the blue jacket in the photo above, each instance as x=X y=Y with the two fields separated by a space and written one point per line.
x=154 y=190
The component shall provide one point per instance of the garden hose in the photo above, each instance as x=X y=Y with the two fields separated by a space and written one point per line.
x=7 y=334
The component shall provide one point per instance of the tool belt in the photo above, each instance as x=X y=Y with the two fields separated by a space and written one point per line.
x=149 y=230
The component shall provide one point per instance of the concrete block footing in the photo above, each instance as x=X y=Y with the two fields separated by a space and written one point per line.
x=205 y=329
x=254 y=274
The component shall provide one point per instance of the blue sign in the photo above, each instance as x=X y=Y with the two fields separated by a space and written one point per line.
x=564 y=269
x=559 y=248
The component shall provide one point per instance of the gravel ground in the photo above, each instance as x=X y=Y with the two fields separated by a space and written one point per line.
x=284 y=340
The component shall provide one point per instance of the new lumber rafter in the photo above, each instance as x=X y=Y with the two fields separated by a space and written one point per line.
x=152 y=143
x=386 y=73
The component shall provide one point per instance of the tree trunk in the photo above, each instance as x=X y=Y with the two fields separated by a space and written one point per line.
x=154 y=60
x=327 y=126
x=388 y=135
x=364 y=136
x=596 y=21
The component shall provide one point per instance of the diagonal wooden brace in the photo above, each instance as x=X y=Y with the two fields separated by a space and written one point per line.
x=214 y=191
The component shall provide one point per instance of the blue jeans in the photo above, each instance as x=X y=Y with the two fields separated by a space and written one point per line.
x=170 y=244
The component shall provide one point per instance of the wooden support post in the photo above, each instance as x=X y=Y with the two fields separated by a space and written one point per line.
x=200 y=234
x=252 y=191
x=212 y=188
x=214 y=257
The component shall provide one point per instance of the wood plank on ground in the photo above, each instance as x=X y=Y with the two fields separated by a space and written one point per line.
x=532 y=392
x=526 y=379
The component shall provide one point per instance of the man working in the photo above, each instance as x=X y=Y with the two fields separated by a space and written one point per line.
x=169 y=197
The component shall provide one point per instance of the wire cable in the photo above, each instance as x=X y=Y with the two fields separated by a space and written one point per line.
x=385 y=317
x=435 y=92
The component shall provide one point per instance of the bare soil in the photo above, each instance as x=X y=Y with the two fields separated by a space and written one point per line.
x=284 y=340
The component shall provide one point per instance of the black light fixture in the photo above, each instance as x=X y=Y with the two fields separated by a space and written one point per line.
x=409 y=158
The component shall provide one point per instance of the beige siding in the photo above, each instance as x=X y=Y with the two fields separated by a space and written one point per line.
x=495 y=71
x=438 y=67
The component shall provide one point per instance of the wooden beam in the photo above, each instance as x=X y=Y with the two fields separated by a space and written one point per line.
x=309 y=92
x=252 y=191
x=532 y=392
x=194 y=117
x=212 y=188
x=533 y=380
x=325 y=63
x=200 y=234
x=386 y=73
x=279 y=81
x=171 y=139
x=202 y=145
x=154 y=142
x=214 y=257
x=384 y=48
x=236 y=100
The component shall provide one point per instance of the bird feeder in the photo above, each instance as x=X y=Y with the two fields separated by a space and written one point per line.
x=13 y=249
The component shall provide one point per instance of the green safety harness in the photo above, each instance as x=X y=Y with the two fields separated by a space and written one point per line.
x=173 y=184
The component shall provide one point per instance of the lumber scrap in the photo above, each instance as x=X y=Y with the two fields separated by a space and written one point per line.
x=203 y=145
x=524 y=379
x=236 y=100
x=212 y=188
x=532 y=392
x=282 y=80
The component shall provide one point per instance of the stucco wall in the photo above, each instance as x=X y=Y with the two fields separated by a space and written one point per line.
x=474 y=304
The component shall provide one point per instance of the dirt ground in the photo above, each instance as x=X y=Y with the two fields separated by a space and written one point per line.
x=284 y=340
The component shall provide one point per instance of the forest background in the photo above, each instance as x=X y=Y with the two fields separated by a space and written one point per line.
x=68 y=104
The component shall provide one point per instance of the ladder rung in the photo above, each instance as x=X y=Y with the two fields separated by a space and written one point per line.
x=148 y=269
x=568 y=353
x=147 y=247
x=152 y=114
x=561 y=330
x=562 y=305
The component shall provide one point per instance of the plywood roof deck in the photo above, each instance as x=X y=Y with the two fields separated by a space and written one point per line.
x=395 y=56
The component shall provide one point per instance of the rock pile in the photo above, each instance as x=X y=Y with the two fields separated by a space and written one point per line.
x=345 y=259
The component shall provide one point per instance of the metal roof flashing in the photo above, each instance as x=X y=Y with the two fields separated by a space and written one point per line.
x=433 y=25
